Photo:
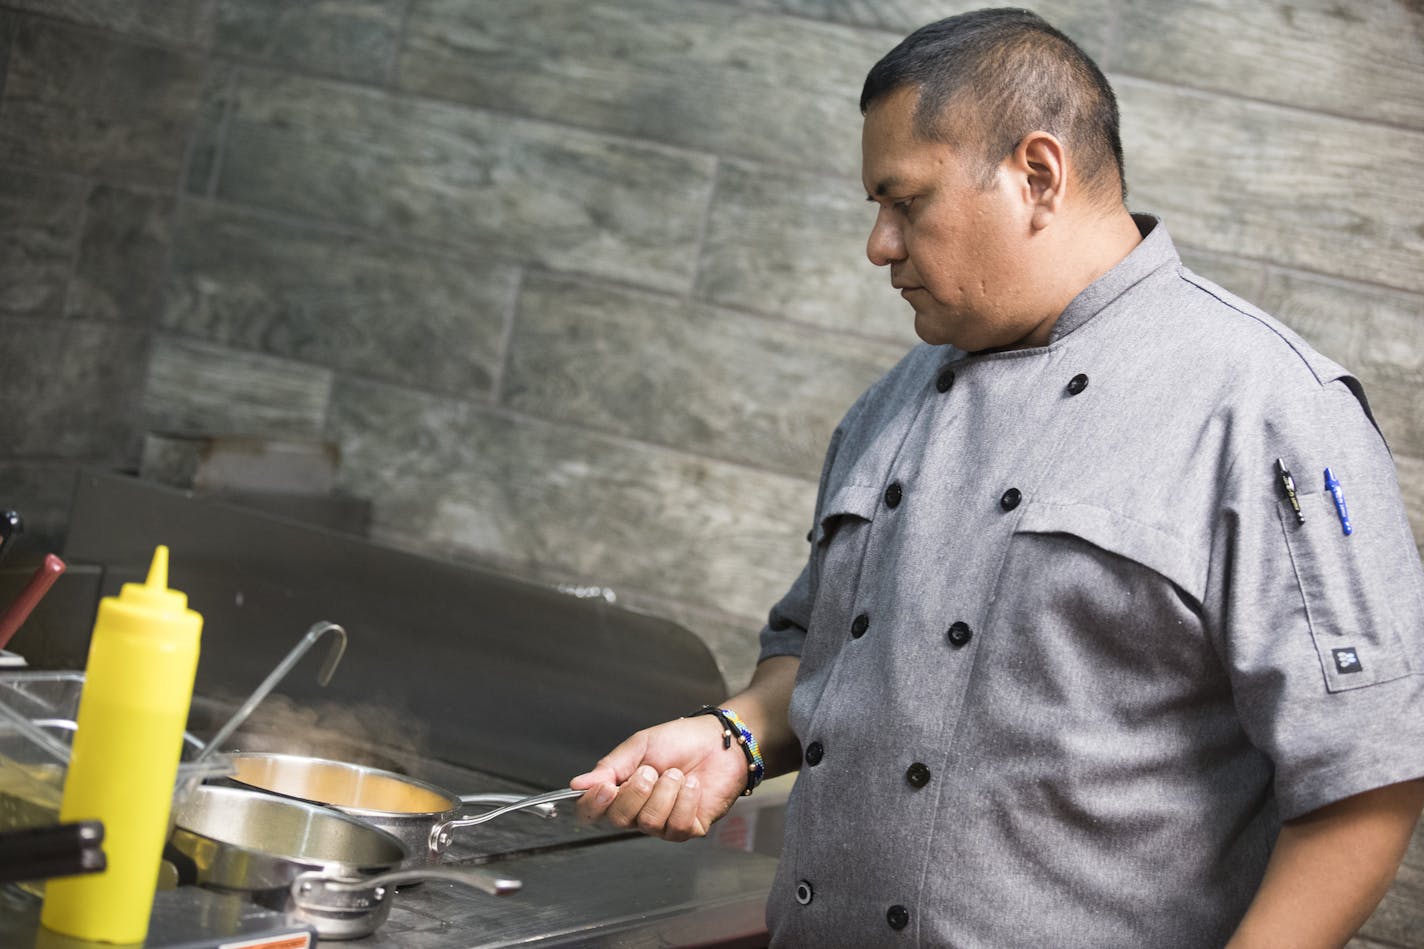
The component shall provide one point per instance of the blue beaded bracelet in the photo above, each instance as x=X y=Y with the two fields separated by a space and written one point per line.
x=732 y=726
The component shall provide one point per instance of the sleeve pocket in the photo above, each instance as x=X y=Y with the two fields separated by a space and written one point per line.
x=1357 y=589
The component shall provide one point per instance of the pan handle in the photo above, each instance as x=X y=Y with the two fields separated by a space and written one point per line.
x=540 y=810
x=314 y=889
x=440 y=833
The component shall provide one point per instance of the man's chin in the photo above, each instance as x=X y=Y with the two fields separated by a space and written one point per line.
x=931 y=331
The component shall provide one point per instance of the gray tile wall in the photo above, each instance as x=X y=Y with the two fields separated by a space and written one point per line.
x=577 y=287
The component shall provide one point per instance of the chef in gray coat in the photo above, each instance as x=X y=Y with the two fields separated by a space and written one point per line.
x=1111 y=632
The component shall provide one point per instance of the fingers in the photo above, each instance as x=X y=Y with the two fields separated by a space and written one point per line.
x=683 y=822
x=616 y=766
x=663 y=805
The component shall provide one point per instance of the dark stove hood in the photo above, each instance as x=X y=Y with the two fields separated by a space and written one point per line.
x=477 y=668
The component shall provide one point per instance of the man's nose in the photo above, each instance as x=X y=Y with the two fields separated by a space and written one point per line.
x=886 y=244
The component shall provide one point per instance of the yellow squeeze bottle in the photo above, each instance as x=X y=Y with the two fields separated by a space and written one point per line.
x=138 y=685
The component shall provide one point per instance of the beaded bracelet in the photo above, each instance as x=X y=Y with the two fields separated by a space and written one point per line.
x=734 y=726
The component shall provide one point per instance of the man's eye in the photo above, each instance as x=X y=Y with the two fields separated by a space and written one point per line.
x=903 y=206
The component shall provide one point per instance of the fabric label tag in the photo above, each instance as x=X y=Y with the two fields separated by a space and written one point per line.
x=1347 y=660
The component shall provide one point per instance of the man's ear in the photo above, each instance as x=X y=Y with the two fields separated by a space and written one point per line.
x=1041 y=162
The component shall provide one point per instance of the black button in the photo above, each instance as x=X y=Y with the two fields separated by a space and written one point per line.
x=918 y=775
x=803 y=892
x=893 y=494
x=897 y=916
x=1077 y=384
x=814 y=752
x=959 y=634
x=859 y=625
x=945 y=380
x=1011 y=499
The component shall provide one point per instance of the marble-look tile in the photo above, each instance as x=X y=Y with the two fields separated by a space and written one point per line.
x=353 y=39
x=39 y=225
x=690 y=376
x=1366 y=329
x=447 y=476
x=1087 y=22
x=1411 y=485
x=69 y=388
x=8 y=22
x=169 y=22
x=1399 y=918
x=97 y=104
x=1308 y=191
x=506 y=188
x=701 y=75
x=1376 y=334
x=1244 y=278
x=43 y=492
x=381 y=310
x=1363 y=59
x=122 y=254
x=209 y=126
x=792 y=245
x=196 y=388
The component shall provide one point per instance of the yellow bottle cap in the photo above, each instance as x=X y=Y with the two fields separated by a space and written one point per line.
x=149 y=605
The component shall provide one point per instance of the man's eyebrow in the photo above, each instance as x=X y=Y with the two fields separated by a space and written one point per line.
x=882 y=188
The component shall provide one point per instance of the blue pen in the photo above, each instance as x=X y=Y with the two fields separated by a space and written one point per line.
x=1333 y=486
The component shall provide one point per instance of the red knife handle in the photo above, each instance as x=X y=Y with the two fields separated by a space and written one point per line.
x=24 y=604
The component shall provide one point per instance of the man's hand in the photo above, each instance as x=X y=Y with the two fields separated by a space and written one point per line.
x=670 y=781
x=673 y=780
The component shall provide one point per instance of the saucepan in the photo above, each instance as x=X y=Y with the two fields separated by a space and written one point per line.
x=327 y=868
x=420 y=815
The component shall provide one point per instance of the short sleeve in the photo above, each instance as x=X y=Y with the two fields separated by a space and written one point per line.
x=1323 y=627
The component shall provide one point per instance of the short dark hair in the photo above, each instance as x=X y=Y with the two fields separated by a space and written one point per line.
x=1006 y=73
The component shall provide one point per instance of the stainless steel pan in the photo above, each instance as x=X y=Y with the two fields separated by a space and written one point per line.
x=331 y=870
x=420 y=815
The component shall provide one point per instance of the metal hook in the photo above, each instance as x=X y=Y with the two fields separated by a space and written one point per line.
x=278 y=674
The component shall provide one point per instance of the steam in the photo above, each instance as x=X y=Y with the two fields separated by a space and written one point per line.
x=371 y=735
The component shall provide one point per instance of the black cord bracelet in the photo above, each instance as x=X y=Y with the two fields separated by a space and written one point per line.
x=734 y=728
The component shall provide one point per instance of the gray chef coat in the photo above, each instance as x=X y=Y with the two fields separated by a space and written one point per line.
x=1067 y=656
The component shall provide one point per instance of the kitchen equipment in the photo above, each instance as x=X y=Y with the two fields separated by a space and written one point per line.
x=138 y=683
x=284 y=852
x=19 y=611
x=420 y=815
x=553 y=681
x=37 y=724
x=350 y=909
x=11 y=526
x=39 y=853
x=323 y=676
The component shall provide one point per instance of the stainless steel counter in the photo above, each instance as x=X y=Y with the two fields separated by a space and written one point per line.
x=624 y=893
x=472 y=681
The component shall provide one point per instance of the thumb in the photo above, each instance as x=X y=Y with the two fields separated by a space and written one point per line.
x=615 y=767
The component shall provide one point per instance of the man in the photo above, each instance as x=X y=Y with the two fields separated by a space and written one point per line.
x=1066 y=667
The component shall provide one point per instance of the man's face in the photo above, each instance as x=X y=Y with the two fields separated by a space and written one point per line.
x=956 y=250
